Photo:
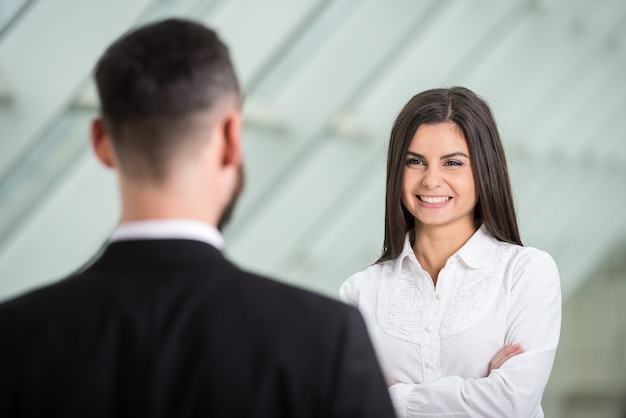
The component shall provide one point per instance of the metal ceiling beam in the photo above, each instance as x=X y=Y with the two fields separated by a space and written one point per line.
x=46 y=58
x=310 y=106
x=258 y=32
x=321 y=181
x=574 y=44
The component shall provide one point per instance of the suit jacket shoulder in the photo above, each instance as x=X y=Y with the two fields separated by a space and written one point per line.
x=171 y=328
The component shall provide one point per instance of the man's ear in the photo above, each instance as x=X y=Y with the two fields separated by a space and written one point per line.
x=101 y=144
x=232 y=139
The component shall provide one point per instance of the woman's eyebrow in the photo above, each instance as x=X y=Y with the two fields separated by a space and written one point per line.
x=454 y=154
x=443 y=157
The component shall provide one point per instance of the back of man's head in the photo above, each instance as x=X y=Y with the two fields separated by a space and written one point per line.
x=151 y=83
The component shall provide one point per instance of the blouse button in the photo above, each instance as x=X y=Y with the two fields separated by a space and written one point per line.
x=429 y=328
x=429 y=365
x=439 y=296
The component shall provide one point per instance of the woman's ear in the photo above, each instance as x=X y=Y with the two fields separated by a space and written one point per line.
x=101 y=144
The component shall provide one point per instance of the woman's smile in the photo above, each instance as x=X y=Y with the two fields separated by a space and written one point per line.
x=434 y=200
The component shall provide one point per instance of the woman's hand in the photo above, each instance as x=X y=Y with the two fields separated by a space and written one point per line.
x=509 y=350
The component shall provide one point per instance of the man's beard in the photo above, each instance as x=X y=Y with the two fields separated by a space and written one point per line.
x=230 y=207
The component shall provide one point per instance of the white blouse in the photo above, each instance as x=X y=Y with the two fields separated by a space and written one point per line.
x=435 y=344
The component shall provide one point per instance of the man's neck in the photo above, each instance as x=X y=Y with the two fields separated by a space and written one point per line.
x=140 y=202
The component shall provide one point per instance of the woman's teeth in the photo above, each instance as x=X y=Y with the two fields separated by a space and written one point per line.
x=438 y=199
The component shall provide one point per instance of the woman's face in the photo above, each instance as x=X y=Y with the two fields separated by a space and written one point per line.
x=438 y=184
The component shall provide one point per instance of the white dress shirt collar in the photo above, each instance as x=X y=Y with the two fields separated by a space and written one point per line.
x=168 y=229
x=474 y=253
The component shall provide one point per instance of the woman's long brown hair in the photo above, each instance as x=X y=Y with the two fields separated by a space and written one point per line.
x=495 y=207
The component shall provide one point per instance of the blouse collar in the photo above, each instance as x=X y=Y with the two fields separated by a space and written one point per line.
x=475 y=253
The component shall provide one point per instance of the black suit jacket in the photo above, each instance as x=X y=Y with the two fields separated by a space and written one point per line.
x=170 y=328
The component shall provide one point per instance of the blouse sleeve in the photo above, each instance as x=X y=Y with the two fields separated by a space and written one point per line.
x=349 y=290
x=516 y=388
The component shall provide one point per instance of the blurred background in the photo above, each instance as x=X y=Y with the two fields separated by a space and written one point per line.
x=323 y=81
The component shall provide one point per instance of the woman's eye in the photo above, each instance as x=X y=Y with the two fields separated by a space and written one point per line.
x=453 y=163
x=413 y=161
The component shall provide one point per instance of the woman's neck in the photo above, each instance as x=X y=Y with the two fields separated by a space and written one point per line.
x=434 y=245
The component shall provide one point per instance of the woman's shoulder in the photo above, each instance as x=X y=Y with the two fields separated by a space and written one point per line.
x=510 y=260
x=531 y=259
x=361 y=281
x=529 y=265
x=519 y=254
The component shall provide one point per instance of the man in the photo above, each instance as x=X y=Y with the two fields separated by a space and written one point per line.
x=161 y=324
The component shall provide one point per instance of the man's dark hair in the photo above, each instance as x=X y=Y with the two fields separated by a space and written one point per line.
x=152 y=81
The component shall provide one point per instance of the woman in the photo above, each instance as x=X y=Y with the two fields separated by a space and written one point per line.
x=465 y=320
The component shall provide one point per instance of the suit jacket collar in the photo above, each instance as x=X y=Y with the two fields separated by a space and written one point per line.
x=137 y=253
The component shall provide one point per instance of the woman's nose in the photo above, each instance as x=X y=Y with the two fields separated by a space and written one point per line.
x=432 y=178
